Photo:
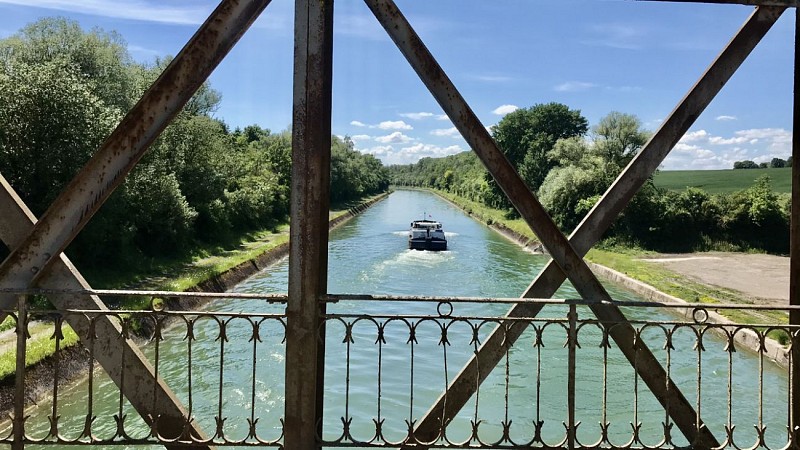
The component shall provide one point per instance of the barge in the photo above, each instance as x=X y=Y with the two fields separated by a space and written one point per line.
x=427 y=235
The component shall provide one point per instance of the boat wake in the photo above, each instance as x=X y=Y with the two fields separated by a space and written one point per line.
x=421 y=258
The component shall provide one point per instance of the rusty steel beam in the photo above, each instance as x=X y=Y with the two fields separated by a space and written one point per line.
x=600 y=218
x=570 y=263
x=151 y=397
x=467 y=123
x=310 y=204
x=597 y=221
x=794 y=250
x=90 y=188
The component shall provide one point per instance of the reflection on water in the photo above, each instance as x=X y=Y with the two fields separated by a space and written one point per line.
x=369 y=377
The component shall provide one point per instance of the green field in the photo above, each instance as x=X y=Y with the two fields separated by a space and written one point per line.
x=722 y=181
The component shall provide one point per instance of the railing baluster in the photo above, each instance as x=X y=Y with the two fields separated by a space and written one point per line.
x=19 y=380
x=572 y=340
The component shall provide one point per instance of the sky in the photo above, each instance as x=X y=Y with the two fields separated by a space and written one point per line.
x=595 y=56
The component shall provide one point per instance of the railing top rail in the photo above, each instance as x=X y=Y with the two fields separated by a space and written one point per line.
x=277 y=298
x=335 y=298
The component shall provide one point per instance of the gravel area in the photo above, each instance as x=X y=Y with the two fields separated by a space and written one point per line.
x=764 y=278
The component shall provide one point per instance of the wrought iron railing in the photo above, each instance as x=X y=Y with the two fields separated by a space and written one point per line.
x=564 y=383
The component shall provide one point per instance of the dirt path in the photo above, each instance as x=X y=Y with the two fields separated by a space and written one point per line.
x=764 y=278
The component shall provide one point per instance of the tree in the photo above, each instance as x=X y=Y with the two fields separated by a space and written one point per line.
x=526 y=136
x=584 y=170
x=52 y=122
x=777 y=163
x=618 y=137
x=763 y=165
x=747 y=164
x=100 y=57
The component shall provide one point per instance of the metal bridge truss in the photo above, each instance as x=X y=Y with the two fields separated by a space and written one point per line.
x=37 y=260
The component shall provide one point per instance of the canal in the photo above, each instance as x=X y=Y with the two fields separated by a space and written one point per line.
x=390 y=372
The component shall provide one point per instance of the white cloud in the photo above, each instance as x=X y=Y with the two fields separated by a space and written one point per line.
x=716 y=140
x=356 y=123
x=422 y=150
x=394 y=125
x=442 y=117
x=394 y=138
x=701 y=150
x=417 y=115
x=694 y=136
x=502 y=110
x=360 y=137
x=380 y=150
x=574 y=86
x=681 y=147
x=775 y=134
x=446 y=132
x=411 y=153
x=725 y=118
x=492 y=78
x=146 y=11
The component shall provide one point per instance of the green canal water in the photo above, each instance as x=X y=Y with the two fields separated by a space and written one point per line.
x=369 y=377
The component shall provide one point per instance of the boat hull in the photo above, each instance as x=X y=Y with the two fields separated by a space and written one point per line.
x=427 y=244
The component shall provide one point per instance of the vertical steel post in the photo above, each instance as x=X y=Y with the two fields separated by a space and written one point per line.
x=794 y=247
x=308 y=247
x=19 y=377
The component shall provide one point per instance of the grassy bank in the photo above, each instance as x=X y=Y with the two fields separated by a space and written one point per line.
x=488 y=215
x=179 y=274
x=628 y=261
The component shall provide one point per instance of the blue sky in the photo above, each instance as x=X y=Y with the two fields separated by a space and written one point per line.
x=593 y=55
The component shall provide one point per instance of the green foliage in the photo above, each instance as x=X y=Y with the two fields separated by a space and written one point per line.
x=63 y=90
x=566 y=191
x=37 y=349
x=753 y=217
x=618 y=138
x=101 y=58
x=462 y=174
x=51 y=123
x=527 y=135
x=746 y=164
x=777 y=163
x=354 y=174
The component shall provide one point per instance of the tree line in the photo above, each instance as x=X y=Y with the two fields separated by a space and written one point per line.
x=63 y=90
x=569 y=166
x=775 y=163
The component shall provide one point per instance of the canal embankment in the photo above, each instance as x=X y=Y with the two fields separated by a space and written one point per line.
x=695 y=295
x=56 y=369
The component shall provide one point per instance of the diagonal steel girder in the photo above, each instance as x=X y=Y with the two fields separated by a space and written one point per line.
x=600 y=219
x=36 y=247
x=588 y=232
x=126 y=145
x=102 y=335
